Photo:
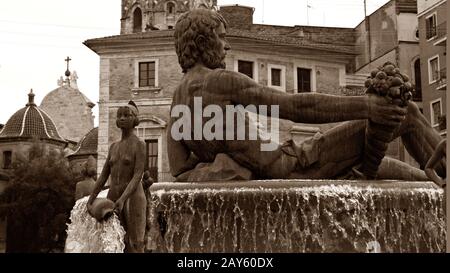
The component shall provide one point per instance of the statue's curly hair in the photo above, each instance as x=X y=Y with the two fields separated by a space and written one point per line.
x=189 y=26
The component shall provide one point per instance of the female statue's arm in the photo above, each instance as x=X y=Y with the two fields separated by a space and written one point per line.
x=139 y=165
x=100 y=181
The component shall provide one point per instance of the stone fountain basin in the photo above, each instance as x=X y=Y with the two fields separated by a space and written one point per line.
x=296 y=216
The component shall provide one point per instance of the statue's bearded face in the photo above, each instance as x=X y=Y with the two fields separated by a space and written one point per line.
x=214 y=56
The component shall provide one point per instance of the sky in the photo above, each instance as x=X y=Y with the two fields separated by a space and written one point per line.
x=37 y=36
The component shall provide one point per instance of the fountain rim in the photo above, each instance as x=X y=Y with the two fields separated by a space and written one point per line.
x=293 y=183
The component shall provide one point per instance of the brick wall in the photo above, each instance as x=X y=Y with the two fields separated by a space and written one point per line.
x=332 y=75
x=328 y=80
x=240 y=17
x=123 y=80
x=383 y=36
x=377 y=35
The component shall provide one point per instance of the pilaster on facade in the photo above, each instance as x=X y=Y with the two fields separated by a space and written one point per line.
x=103 y=141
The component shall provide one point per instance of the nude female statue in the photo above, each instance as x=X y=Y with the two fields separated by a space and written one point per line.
x=125 y=167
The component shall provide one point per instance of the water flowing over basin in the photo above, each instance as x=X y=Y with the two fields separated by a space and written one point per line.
x=296 y=216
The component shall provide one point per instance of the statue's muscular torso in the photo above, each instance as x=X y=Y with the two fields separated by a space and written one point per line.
x=210 y=86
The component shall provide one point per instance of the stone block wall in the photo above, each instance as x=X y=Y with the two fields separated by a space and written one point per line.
x=328 y=80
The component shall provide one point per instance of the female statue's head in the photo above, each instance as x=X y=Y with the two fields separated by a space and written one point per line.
x=196 y=39
x=127 y=116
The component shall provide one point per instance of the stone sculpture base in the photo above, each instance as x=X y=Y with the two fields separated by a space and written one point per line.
x=296 y=216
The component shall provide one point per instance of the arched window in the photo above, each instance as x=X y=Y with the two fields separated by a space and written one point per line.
x=151 y=130
x=137 y=20
x=170 y=8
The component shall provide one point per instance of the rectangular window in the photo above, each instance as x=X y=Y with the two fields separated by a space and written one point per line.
x=246 y=68
x=276 y=76
x=430 y=26
x=147 y=74
x=303 y=80
x=7 y=160
x=152 y=158
x=436 y=112
x=433 y=69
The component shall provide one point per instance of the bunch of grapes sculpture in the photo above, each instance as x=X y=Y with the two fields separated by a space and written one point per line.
x=388 y=82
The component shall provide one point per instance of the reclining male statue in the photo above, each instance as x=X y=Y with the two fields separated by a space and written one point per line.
x=201 y=46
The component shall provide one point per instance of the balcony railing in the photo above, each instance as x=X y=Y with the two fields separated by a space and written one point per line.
x=442 y=30
x=442 y=80
x=441 y=34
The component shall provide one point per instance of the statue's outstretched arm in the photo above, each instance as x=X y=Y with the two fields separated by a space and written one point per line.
x=101 y=180
x=304 y=107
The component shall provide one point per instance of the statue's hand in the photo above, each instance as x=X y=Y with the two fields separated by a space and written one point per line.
x=118 y=206
x=382 y=111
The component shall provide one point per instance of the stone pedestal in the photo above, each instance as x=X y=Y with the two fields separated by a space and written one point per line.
x=296 y=216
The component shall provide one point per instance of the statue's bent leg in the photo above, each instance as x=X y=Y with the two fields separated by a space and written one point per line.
x=136 y=207
x=391 y=168
x=342 y=147
x=322 y=156
x=335 y=151
x=419 y=138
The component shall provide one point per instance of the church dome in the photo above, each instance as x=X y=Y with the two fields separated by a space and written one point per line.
x=70 y=109
x=29 y=122
x=88 y=145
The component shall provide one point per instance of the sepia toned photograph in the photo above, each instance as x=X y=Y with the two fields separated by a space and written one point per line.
x=223 y=126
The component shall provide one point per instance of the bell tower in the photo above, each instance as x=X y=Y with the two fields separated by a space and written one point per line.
x=150 y=15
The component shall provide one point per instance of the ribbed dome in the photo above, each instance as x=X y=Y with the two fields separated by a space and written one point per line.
x=30 y=121
x=88 y=144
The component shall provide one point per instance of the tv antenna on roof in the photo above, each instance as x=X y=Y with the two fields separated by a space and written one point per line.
x=263 y=11
x=308 y=6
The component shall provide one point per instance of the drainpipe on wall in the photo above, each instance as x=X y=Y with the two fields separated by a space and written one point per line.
x=366 y=18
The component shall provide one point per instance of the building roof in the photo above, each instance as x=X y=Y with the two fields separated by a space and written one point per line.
x=258 y=33
x=87 y=145
x=295 y=39
x=30 y=121
x=406 y=6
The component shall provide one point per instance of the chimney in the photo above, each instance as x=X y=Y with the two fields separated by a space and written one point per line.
x=238 y=16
